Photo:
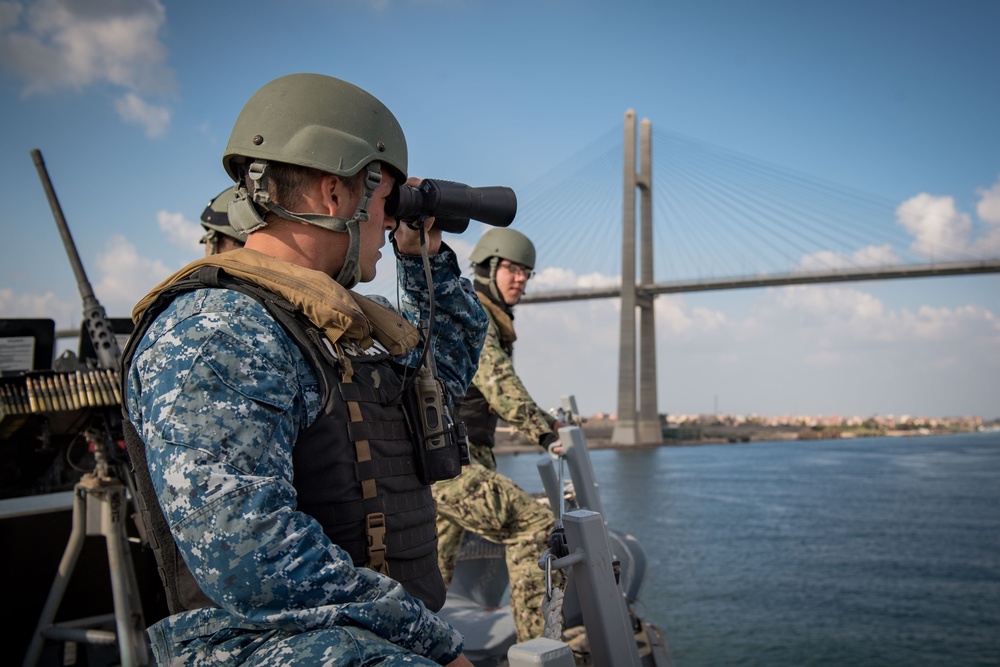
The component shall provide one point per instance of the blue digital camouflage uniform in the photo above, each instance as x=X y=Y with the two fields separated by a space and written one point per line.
x=216 y=362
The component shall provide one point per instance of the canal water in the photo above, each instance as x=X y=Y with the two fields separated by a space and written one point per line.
x=869 y=552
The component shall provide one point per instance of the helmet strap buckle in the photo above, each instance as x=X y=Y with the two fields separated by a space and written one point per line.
x=350 y=273
x=373 y=179
x=257 y=172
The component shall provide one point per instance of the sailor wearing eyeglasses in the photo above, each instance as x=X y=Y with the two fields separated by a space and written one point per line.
x=482 y=500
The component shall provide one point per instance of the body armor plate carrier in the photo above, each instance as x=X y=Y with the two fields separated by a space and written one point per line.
x=359 y=483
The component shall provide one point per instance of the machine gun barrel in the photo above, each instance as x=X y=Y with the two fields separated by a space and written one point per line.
x=98 y=325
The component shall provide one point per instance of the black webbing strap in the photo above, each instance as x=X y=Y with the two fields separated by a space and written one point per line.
x=374 y=521
x=395 y=466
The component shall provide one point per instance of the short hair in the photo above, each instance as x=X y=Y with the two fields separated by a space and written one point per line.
x=286 y=182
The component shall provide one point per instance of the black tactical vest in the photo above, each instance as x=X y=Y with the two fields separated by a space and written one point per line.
x=359 y=483
x=480 y=419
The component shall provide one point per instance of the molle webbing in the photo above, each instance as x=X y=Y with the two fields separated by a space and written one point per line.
x=379 y=431
x=395 y=541
x=371 y=504
x=390 y=467
x=374 y=521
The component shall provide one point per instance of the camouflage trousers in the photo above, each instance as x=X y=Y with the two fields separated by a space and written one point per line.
x=345 y=646
x=485 y=502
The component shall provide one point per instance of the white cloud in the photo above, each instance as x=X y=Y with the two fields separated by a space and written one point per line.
x=823 y=260
x=823 y=306
x=65 y=313
x=988 y=244
x=126 y=276
x=880 y=255
x=58 y=44
x=133 y=109
x=181 y=232
x=844 y=317
x=555 y=278
x=869 y=256
x=942 y=232
x=822 y=349
x=939 y=229
x=948 y=324
x=988 y=208
x=682 y=322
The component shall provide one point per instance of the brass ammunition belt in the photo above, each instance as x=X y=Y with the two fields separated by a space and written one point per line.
x=51 y=391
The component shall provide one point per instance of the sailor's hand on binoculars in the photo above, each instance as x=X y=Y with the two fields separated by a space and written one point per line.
x=407 y=235
x=408 y=238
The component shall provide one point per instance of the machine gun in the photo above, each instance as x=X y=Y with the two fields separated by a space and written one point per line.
x=100 y=498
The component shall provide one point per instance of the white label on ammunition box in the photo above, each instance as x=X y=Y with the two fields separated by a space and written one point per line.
x=17 y=353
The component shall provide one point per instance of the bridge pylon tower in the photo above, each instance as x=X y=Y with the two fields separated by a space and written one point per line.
x=637 y=426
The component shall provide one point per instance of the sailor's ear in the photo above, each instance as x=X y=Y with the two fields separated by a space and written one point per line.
x=334 y=195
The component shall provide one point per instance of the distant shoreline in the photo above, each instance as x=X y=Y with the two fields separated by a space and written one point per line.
x=599 y=437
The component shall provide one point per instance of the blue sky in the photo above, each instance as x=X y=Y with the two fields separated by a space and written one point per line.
x=131 y=103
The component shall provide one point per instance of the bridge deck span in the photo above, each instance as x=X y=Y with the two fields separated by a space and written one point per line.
x=774 y=279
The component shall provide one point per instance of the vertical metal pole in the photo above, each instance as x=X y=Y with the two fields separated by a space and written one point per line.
x=552 y=485
x=131 y=627
x=650 y=430
x=624 y=432
x=605 y=614
x=580 y=468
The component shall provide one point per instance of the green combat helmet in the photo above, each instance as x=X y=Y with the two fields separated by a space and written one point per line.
x=504 y=243
x=317 y=121
x=499 y=243
x=215 y=218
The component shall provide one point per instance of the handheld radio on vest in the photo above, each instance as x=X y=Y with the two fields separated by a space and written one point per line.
x=442 y=445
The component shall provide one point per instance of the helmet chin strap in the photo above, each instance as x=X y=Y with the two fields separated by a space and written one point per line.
x=245 y=217
x=491 y=281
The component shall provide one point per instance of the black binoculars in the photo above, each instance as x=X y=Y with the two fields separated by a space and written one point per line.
x=452 y=204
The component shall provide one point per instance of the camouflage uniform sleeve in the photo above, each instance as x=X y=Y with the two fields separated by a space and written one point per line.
x=219 y=394
x=505 y=392
x=459 y=319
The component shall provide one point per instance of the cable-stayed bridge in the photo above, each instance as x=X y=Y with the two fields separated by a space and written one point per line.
x=712 y=219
